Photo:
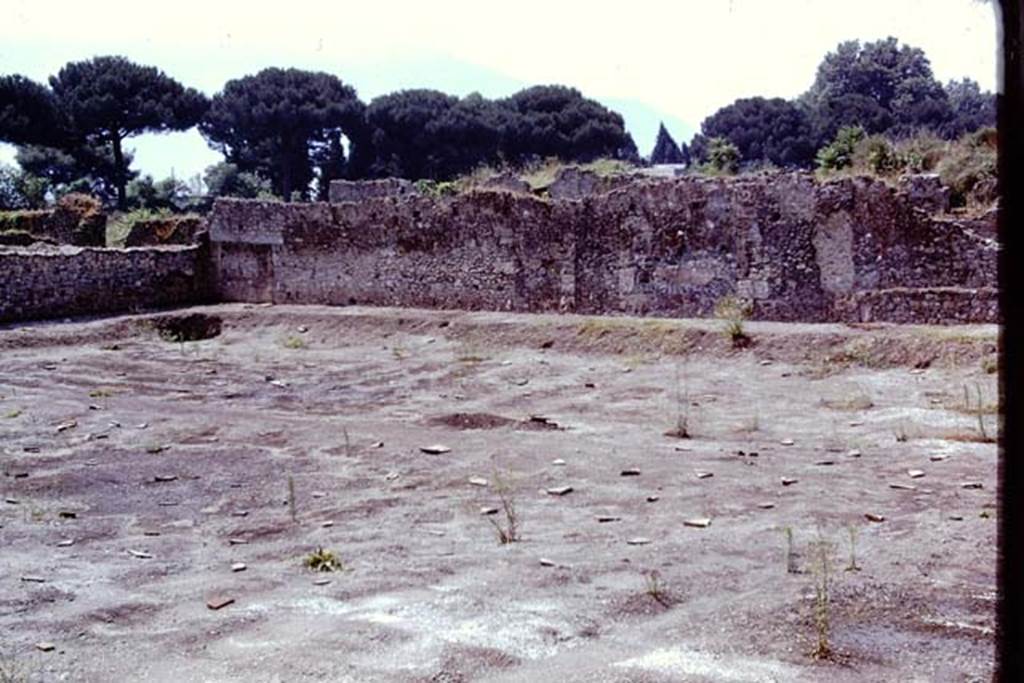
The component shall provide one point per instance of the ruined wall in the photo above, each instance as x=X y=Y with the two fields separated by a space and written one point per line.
x=361 y=190
x=151 y=232
x=486 y=250
x=853 y=249
x=76 y=219
x=52 y=282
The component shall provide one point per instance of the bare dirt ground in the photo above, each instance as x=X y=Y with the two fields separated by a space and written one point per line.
x=136 y=472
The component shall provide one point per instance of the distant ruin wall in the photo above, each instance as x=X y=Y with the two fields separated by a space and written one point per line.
x=72 y=281
x=854 y=249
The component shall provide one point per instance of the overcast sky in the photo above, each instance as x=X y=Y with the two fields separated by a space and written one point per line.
x=671 y=60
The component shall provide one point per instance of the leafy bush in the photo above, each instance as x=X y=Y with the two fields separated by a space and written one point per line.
x=839 y=154
x=772 y=130
x=434 y=188
x=882 y=157
x=723 y=156
x=922 y=153
x=969 y=169
x=734 y=311
x=21 y=190
x=225 y=179
x=321 y=560
x=121 y=224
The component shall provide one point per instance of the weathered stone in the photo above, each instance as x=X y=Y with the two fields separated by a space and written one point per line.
x=64 y=281
x=151 y=232
x=507 y=182
x=363 y=190
x=926 y=192
x=851 y=249
x=219 y=602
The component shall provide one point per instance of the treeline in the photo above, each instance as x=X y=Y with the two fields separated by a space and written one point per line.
x=288 y=133
x=879 y=88
x=284 y=132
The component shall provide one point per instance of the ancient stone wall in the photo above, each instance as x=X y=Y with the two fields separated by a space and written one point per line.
x=52 y=282
x=76 y=219
x=361 y=190
x=151 y=232
x=852 y=249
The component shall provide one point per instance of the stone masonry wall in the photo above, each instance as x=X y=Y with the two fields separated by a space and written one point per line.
x=71 y=281
x=852 y=249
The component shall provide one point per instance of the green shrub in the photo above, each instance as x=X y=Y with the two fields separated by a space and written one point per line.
x=877 y=155
x=922 y=153
x=436 y=188
x=969 y=169
x=121 y=224
x=723 y=156
x=839 y=154
x=321 y=560
x=734 y=311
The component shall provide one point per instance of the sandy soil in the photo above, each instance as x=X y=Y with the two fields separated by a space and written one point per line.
x=136 y=472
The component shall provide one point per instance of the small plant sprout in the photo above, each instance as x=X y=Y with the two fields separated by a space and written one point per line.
x=682 y=426
x=791 y=567
x=753 y=423
x=321 y=560
x=294 y=343
x=822 y=567
x=852 y=567
x=509 y=533
x=291 y=498
x=654 y=587
x=978 y=411
x=901 y=432
x=734 y=311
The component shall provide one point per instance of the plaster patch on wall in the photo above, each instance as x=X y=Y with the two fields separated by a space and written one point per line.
x=833 y=247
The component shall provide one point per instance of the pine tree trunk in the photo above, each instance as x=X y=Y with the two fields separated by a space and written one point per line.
x=119 y=172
